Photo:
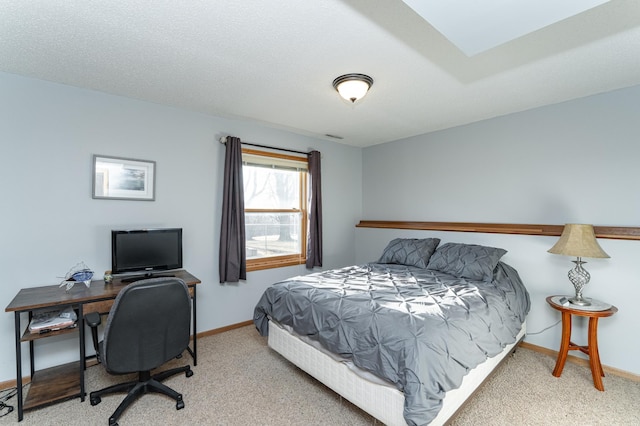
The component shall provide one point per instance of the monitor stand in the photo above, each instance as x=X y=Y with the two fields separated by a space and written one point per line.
x=134 y=278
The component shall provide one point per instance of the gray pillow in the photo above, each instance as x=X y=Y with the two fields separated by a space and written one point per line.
x=409 y=251
x=470 y=261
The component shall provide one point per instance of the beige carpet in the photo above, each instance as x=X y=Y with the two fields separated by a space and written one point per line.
x=240 y=381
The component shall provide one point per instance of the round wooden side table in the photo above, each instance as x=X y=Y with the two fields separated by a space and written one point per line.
x=591 y=349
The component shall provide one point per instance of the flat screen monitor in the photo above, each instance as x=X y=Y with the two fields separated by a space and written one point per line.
x=146 y=250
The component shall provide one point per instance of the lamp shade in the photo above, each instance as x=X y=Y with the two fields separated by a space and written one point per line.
x=352 y=87
x=578 y=240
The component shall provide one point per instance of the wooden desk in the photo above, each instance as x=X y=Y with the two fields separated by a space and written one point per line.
x=64 y=382
x=567 y=345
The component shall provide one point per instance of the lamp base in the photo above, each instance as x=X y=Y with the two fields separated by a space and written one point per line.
x=578 y=300
x=579 y=277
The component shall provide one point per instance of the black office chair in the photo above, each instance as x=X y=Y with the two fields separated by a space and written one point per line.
x=148 y=325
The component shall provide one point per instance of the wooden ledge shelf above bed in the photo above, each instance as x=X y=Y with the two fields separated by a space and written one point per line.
x=611 y=232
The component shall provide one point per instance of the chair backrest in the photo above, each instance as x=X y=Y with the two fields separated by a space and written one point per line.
x=148 y=325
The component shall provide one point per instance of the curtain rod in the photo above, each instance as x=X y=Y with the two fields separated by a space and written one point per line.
x=223 y=140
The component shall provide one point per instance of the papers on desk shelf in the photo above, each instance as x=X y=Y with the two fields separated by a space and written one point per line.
x=50 y=320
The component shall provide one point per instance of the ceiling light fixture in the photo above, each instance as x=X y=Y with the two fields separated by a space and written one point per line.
x=353 y=87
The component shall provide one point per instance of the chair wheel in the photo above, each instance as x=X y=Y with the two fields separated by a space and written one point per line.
x=112 y=422
x=188 y=373
x=95 y=400
x=179 y=403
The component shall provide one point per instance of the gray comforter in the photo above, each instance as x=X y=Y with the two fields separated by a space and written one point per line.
x=420 y=329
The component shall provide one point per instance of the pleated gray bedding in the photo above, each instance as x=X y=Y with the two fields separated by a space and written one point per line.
x=420 y=329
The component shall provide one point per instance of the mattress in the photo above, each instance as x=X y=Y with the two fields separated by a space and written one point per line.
x=382 y=401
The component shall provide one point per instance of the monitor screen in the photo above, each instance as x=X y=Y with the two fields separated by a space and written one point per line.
x=146 y=250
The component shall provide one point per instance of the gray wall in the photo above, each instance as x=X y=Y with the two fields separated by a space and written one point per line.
x=572 y=162
x=48 y=134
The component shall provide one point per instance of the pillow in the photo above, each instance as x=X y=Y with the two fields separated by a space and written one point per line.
x=409 y=251
x=470 y=261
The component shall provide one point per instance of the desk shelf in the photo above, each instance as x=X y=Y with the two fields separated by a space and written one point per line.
x=53 y=384
x=28 y=336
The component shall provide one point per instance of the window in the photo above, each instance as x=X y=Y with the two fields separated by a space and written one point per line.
x=275 y=209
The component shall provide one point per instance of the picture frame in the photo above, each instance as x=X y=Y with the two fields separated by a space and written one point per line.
x=117 y=178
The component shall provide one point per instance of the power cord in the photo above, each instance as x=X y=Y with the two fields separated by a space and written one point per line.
x=544 y=329
x=6 y=395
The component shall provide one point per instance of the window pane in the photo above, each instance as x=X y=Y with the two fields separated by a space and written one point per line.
x=266 y=188
x=272 y=234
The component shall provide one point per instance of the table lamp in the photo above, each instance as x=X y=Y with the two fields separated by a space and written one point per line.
x=580 y=241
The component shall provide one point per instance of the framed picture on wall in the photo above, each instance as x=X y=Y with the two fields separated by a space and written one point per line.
x=117 y=178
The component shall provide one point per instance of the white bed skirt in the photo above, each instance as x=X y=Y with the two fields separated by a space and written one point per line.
x=384 y=402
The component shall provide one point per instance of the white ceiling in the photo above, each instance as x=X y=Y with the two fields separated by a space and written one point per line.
x=274 y=61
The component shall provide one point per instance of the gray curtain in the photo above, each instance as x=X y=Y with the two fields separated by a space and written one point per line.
x=314 y=235
x=233 y=258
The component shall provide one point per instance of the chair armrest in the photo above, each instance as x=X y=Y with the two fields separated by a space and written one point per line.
x=93 y=319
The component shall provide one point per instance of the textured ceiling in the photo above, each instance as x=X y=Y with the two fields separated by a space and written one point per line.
x=273 y=62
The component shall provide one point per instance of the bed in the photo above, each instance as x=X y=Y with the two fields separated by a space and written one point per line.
x=407 y=338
